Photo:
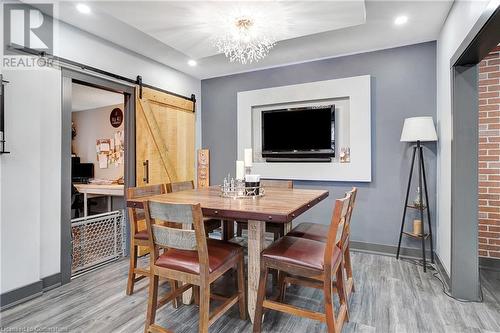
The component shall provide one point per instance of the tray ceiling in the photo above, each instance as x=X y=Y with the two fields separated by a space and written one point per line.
x=173 y=32
x=189 y=26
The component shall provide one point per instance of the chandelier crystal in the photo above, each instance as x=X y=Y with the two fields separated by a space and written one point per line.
x=244 y=41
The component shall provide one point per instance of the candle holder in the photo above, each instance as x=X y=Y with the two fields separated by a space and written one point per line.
x=238 y=189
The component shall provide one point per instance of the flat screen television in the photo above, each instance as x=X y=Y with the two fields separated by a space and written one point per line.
x=306 y=132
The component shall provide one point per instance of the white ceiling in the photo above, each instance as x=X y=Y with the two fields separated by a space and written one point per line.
x=88 y=98
x=172 y=32
x=189 y=27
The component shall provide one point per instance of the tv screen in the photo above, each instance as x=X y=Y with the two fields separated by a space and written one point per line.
x=298 y=130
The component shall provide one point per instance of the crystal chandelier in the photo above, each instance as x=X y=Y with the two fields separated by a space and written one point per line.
x=244 y=41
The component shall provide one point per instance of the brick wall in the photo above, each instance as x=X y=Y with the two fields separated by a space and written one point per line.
x=489 y=155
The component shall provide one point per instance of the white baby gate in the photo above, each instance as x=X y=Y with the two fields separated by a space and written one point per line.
x=97 y=239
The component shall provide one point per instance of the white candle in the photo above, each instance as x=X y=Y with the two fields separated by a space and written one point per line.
x=240 y=170
x=248 y=157
x=252 y=178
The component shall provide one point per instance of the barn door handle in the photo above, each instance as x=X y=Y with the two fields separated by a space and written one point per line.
x=145 y=177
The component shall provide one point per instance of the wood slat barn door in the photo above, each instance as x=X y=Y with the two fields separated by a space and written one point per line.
x=165 y=138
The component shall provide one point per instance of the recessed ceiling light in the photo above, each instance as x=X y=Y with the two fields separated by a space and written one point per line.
x=83 y=8
x=400 y=20
x=192 y=63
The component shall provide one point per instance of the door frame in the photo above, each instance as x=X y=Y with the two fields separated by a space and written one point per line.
x=482 y=38
x=70 y=76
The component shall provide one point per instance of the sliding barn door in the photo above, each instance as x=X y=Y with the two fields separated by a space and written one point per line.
x=165 y=138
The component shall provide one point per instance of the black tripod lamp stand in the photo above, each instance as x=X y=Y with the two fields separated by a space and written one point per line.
x=417 y=130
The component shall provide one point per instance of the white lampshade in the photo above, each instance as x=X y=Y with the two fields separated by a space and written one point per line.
x=418 y=129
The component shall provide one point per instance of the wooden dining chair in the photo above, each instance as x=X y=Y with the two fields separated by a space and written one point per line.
x=180 y=186
x=191 y=258
x=210 y=224
x=138 y=235
x=277 y=229
x=317 y=262
x=319 y=232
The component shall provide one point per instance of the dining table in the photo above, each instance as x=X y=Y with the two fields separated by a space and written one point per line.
x=277 y=205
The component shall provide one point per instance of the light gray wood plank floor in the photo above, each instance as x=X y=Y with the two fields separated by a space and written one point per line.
x=391 y=296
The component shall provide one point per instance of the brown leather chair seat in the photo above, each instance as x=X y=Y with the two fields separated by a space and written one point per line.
x=299 y=251
x=314 y=231
x=219 y=252
x=143 y=234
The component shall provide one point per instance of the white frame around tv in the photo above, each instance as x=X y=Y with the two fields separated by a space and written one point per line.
x=356 y=89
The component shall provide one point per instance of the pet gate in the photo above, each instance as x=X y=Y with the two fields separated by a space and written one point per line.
x=97 y=239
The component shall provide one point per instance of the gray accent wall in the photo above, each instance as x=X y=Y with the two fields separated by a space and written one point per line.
x=403 y=85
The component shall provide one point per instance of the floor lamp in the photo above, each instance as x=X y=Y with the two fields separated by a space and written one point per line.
x=418 y=130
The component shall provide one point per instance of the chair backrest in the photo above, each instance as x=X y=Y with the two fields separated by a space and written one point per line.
x=146 y=191
x=353 y=192
x=161 y=236
x=136 y=215
x=347 y=225
x=336 y=224
x=343 y=221
x=276 y=183
x=180 y=186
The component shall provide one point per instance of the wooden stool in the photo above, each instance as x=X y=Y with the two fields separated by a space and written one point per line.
x=138 y=237
x=312 y=261
x=319 y=232
x=191 y=258
x=210 y=224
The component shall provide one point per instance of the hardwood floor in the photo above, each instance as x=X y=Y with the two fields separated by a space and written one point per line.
x=391 y=296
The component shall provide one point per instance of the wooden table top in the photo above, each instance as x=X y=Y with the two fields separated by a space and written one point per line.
x=104 y=189
x=106 y=186
x=277 y=205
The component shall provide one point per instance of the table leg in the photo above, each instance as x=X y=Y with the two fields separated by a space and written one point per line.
x=256 y=243
x=288 y=227
x=85 y=208
x=187 y=296
x=227 y=229
x=110 y=198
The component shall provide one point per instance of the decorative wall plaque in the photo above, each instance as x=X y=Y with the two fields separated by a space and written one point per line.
x=116 y=117
x=203 y=168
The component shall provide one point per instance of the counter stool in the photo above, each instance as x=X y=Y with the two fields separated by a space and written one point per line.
x=192 y=259
x=318 y=263
x=210 y=224
x=139 y=237
x=319 y=232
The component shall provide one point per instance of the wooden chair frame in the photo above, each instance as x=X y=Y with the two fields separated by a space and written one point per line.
x=344 y=243
x=200 y=284
x=285 y=280
x=136 y=274
x=189 y=185
x=323 y=278
x=180 y=186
